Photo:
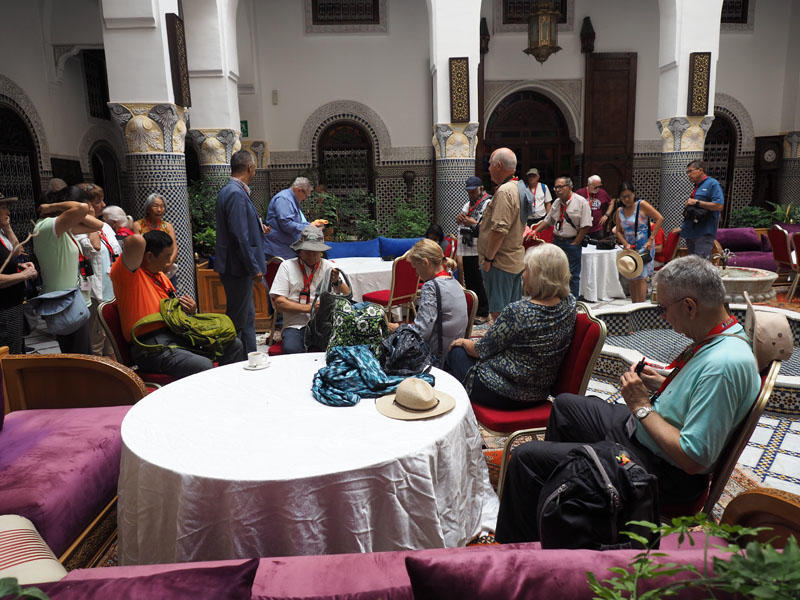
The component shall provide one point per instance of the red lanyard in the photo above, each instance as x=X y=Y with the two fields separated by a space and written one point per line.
x=157 y=280
x=563 y=212
x=111 y=255
x=3 y=241
x=476 y=205
x=442 y=273
x=684 y=357
x=307 y=278
x=81 y=257
x=697 y=187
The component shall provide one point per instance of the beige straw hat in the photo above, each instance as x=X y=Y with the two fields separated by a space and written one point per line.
x=770 y=332
x=415 y=399
x=629 y=264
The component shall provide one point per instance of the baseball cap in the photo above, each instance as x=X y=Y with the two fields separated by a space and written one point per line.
x=533 y=171
x=473 y=182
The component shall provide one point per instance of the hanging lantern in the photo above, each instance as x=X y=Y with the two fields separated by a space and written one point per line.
x=543 y=30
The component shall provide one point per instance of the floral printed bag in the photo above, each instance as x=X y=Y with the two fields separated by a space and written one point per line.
x=356 y=324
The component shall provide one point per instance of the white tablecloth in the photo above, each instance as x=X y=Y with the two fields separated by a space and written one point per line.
x=231 y=463
x=599 y=275
x=366 y=274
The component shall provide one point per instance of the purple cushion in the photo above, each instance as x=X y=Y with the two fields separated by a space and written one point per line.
x=790 y=228
x=231 y=581
x=59 y=468
x=500 y=573
x=766 y=246
x=754 y=260
x=739 y=238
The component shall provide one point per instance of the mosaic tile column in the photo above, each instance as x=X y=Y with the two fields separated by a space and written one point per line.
x=259 y=186
x=214 y=149
x=455 y=161
x=154 y=139
x=789 y=176
x=682 y=142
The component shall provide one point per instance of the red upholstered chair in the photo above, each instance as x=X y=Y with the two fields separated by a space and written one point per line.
x=472 y=310
x=109 y=318
x=451 y=244
x=670 y=246
x=729 y=456
x=784 y=257
x=405 y=284
x=573 y=377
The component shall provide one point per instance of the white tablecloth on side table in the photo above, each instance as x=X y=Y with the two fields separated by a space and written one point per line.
x=231 y=463
x=599 y=275
x=366 y=273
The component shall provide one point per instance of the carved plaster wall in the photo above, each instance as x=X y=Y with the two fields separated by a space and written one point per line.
x=13 y=95
x=567 y=95
x=684 y=134
x=259 y=150
x=104 y=132
x=455 y=140
x=215 y=146
x=741 y=120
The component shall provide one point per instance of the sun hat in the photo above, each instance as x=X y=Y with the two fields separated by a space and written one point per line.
x=770 y=333
x=473 y=183
x=311 y=238
x=8 y=198
x=415 y=399
x=533 y=171
x=630 y=264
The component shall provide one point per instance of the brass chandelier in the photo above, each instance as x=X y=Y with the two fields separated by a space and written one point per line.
x=543 y=30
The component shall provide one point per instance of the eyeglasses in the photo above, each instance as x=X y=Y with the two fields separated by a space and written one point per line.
x=690 y=171
x=558 y=187
x=662 y=310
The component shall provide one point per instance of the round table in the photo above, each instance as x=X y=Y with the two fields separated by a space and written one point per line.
x=599 y=275
x=231 y=463
x=366 y=273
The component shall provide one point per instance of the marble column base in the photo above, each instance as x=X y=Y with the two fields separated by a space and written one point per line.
x=451 y=177
x=166 y=175
x=675 y=186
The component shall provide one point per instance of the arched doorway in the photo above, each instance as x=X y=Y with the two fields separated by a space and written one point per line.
x=19 y=172
x=719 y=153
x=105 y=172
x=344 y=158
x=534 y=128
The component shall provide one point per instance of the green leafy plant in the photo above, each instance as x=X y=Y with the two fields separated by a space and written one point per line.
x=202 y=204
x=10 y=588
x=750 y=216
x=784 y=214
x=410 y=220
x=348 y=218
x=754 y=571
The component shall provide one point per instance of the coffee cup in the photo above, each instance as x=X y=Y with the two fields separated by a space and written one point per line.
x=256 y=360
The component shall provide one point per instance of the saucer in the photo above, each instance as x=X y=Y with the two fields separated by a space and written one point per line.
x=256 y=368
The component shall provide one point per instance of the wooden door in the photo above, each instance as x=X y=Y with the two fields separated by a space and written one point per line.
x=610 y=119
x=533 y=127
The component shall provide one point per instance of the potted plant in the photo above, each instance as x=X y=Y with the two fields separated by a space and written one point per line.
x=409 y=219
x=202 y=204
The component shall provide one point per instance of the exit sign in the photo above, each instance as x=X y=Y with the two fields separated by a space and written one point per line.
x=243 y=126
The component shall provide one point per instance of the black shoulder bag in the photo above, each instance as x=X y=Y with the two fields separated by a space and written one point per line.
x=318 y=330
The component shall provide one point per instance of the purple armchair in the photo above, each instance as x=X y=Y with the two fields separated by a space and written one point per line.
x=60 y=445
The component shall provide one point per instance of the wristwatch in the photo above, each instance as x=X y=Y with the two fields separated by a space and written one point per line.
x=641 y=412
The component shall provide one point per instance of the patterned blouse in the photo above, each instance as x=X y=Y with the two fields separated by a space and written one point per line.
x=521 y=353
x=144 y=224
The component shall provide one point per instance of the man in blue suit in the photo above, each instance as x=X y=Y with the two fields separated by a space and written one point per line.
x=240 y=247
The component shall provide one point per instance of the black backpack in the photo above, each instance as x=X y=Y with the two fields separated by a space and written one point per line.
x=318 y=330
x=592 y=494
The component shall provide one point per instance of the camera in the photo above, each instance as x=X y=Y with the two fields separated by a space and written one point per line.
x=85 y=267
x=468 y=234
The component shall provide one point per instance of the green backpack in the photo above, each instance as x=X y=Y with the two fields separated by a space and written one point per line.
x=206 y=333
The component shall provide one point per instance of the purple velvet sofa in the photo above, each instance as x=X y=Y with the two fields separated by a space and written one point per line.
x=59 y=468
x=750 y=249
x=479 y=572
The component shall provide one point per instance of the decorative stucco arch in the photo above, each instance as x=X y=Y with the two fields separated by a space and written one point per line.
x=564 y=93
x=344 y=110
x=100 y=133
x=740 y=118
x=14 y=96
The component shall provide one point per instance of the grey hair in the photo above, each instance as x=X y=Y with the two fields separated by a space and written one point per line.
x=241 y=161
x=115 y=216
x=593 y=178
x=547 y=270
x=301 y=182
x=567 y=181
x=151 y=200
x=505 y=158
x=691 y=277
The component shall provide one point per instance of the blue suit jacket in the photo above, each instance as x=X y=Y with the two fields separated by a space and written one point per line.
x=240 y=240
